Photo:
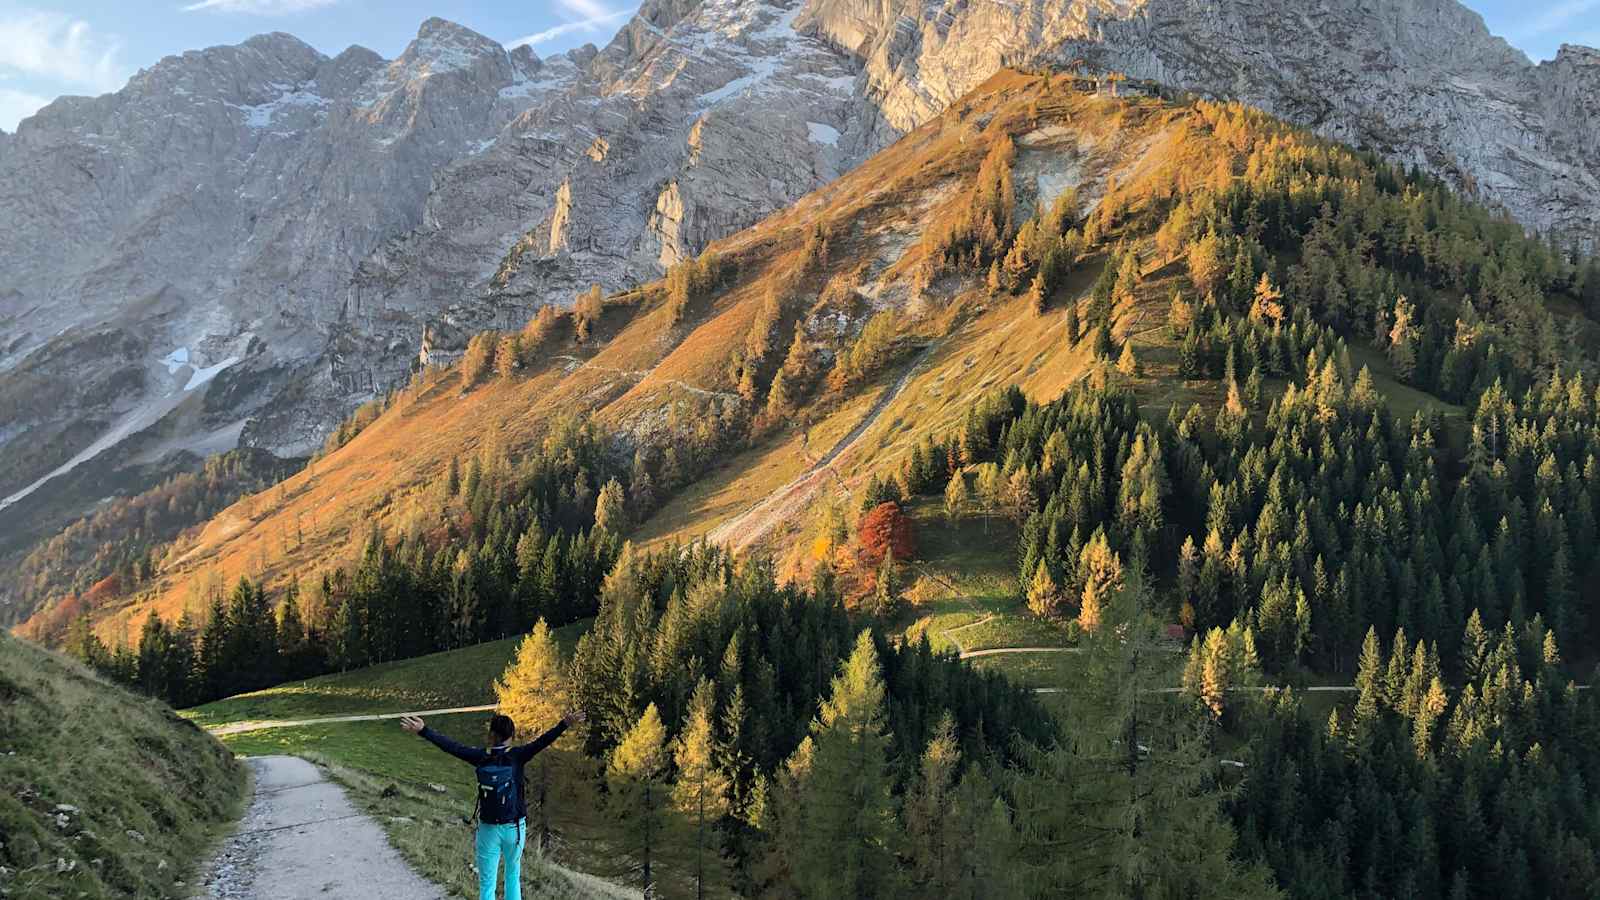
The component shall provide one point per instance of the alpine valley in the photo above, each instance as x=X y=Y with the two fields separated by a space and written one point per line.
x=965 y=449
x=247 y=242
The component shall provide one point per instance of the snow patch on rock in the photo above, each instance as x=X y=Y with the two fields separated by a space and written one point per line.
x=823 y=134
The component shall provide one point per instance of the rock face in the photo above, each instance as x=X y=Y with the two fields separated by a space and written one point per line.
x=276 y=228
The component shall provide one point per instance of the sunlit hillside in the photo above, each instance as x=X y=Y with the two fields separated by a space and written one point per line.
x=675 y=371
x=643 y=374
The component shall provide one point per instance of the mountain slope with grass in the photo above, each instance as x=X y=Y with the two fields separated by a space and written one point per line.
x=794 y=361
x=103 y=793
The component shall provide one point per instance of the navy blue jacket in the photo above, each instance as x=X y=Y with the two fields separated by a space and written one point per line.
x=520 y=756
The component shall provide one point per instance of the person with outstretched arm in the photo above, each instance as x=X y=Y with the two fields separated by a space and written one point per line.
x=501 y=813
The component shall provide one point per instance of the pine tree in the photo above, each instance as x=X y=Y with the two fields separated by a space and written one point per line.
x=610 y=509
x=1123 y=805
x=957 y=499
x=842 y=824
x=703 y=785
x=639 y=797
x=535 y=692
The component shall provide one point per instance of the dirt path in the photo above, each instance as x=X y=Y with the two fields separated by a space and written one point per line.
x=301 y=838
x=949 y=633
x=264 y=724
x=995 y=651
x=746 y=528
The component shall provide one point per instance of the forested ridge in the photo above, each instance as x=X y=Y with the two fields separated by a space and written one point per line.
x=1357 y=448
x=116 y=549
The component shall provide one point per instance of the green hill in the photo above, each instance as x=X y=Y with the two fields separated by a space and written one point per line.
x=103 y=793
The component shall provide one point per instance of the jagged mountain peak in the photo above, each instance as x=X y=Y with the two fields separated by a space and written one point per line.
x=443 y=46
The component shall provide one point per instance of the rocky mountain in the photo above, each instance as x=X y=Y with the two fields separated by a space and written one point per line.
x=246 y=241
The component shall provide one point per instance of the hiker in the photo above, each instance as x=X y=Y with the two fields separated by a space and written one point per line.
x=501 y=815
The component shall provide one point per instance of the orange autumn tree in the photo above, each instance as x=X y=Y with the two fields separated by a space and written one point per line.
x=885 y=529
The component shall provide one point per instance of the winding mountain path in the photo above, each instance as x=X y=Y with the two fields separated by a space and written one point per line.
x=744 y=529
x=302 y=837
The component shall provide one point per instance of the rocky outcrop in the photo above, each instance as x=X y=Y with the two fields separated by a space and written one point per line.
x=293 y=222
x=1422 y=81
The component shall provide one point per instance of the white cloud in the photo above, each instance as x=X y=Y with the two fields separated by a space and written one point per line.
x=1550 y=20
x=550 y=34
x=586 y=9
x=16 y=106
x=52 y=45
x=592 y=15
x=259 y=7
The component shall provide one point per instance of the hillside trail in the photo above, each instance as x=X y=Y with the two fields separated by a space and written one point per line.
x=264 y=724
x=744 y=529
x=301 y=837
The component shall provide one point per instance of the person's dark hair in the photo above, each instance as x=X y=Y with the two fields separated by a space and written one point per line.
x=502 y=728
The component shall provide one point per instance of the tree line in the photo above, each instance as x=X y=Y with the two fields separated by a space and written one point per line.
x=744 y=737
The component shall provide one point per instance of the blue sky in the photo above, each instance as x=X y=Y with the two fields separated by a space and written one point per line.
x=54 y=47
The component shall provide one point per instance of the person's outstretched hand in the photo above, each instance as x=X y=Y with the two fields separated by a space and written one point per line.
x=576 y=717
x=411 y=724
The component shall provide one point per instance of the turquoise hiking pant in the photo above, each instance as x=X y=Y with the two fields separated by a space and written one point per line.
x=495 y=842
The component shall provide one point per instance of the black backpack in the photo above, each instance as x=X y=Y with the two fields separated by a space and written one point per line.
x=497 y=789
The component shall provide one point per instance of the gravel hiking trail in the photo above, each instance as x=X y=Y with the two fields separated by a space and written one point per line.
x=264 y=724
x=302 y=838
x=783 y=504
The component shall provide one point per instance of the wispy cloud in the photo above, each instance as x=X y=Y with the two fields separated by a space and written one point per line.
x=18 y=105
x=1556 y=17
x=56 y=46
x=591 y=15
x=586 y=9
x=259 y=7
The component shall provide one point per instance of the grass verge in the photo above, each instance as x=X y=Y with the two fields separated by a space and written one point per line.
x=103 y=793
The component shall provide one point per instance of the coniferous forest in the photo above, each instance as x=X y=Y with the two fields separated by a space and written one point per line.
x=1380 y=688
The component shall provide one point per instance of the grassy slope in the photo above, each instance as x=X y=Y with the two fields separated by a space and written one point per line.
x=453 y=678
x=639 y=362
x=150 y=790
